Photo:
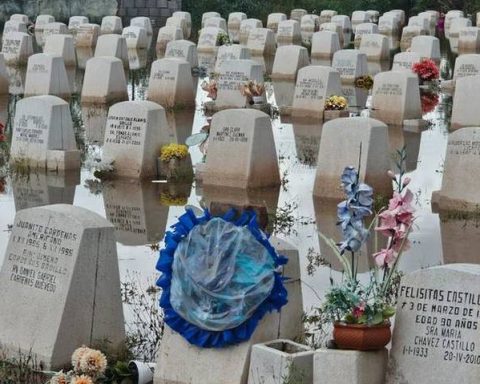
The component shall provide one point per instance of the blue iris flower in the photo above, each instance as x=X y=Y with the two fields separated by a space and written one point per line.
x=352 y=211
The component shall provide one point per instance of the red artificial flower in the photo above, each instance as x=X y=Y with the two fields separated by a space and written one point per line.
x=426 y=70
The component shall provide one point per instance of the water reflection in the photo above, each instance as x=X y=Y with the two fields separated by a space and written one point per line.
x=137 y=58
x=83 y=55
x=284 y=92
x=263 y=201
x=39 y=189
x=180 y=124
x=266 y=62
x=399 y=138
x=134 y=207
x=95 y=120
x=207 y=61
x=17 y=76
x=307 y=140
x=460 y=239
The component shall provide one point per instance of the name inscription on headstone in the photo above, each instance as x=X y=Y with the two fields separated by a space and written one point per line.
x=231 y=135
x=466 y=70
x=463 y=147
x=125 y=130
x=446 y=323
x=11 y=46
x=389 y=89
x=39 y=255
x=310 y=89
x=231 y=80
x=31 y=129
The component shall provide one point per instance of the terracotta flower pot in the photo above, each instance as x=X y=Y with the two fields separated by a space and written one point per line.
x=362 y=337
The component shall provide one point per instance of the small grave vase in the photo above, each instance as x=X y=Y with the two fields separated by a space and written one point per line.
x=362 y=337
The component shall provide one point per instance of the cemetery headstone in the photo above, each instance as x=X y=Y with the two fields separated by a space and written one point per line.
x=142 y=22
x=234 y=21
x=112 y=45
x=87 y=35
x=165 y=35
x=426 y=46
x=111 y=25
x=216 y=22
x=241 y=151
x=183 y=49
x=326 y=15
x=55 y=28
x=43 y=134
x=359 y=17
x=404 y=61
x=41 y=20
x=171 y=83
x=408 y=33
x=60 y=283
x=4 y=77
x=61 y=45
x=459 y=191
x=324 y=45
x=207 y=41
x=297 y=14
x=134 y=135
x=274 y=19
x=467 y=65
x=363 y=29
x=375 y=47
x=208 y=15
x=136 y=37
x=314 y=85
x=469 y=40
x=350 y=63
x=261 y=41
x=466 y=105
x=188 y=20
x=288 y=33
x=288 y=60
x=104 y=81
x=245 y=27
x=46 y=75
x=435 y=334
x=17 y=47
x=344 y=22
x=74 y=22
x=350 y=136
x=396 y=97
x=233 y=74
x=231 y=52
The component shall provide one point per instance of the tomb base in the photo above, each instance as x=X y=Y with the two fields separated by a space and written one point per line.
x=281 y=361
x=335 y=366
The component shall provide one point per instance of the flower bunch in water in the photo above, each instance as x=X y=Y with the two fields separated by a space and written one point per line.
x=429 y=101
x=426 y=70
x=352 y=212
x=336 y=103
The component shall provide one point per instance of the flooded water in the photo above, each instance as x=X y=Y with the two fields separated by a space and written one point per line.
x=143 y=211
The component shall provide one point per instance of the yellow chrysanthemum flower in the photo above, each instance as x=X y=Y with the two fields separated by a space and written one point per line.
x=173 y=151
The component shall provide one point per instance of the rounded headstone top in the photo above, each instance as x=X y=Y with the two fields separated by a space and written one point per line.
x=358 y=121
x=239 y=114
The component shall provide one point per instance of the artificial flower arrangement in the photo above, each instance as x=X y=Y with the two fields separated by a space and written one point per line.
x=253 y=91
x=173 y=151
x=426 y=70
x=336 y=103
x=354 y=305
x=210 y=87
x=169 y=200
x=364 y=82
x=223 y=38
x=89 y=366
